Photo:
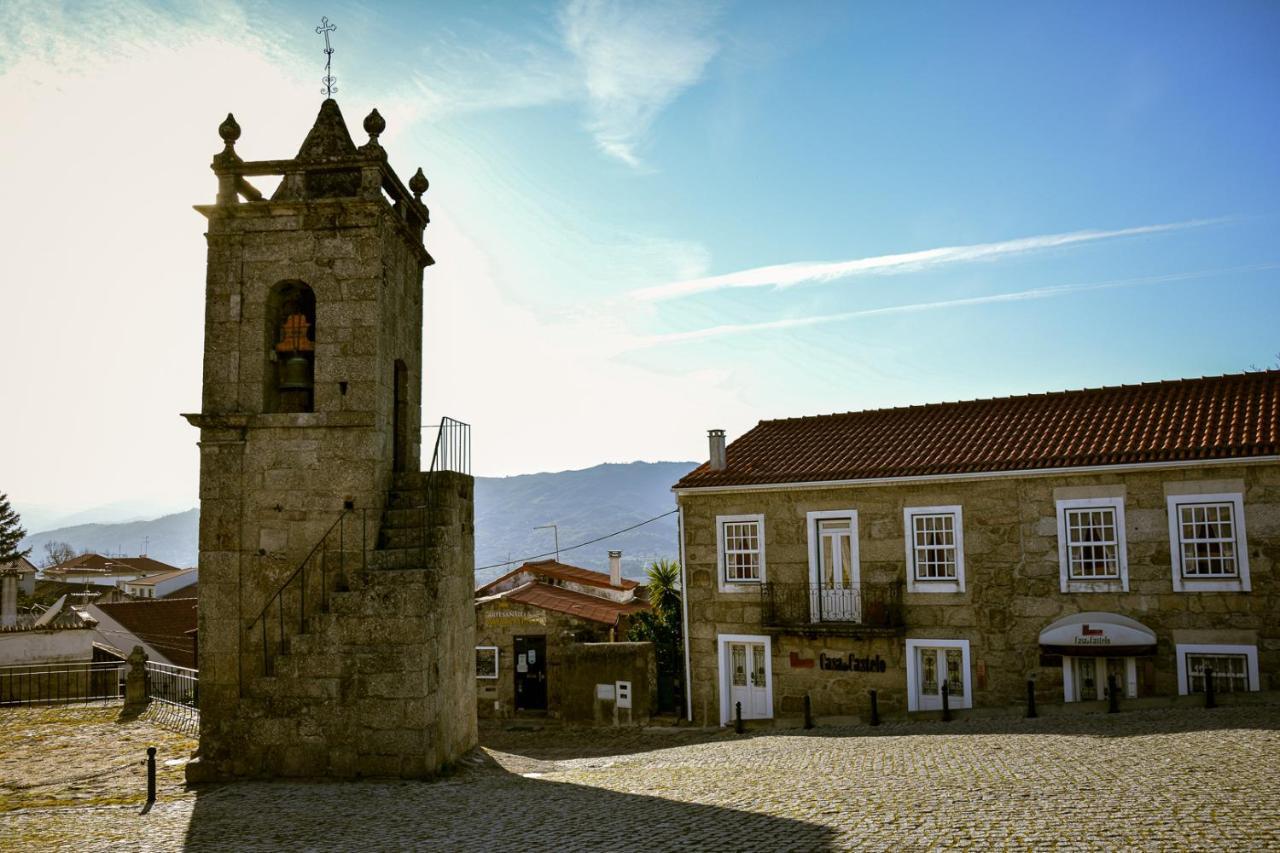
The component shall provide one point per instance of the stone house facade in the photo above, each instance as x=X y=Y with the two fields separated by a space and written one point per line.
x=1125 y=536
x=540 y=633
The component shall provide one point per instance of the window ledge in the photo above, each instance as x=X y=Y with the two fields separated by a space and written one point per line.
x=935 y=587
x=1212 y=585
x=1096 y=586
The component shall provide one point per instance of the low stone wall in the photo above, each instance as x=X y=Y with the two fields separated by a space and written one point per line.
x=592 y=669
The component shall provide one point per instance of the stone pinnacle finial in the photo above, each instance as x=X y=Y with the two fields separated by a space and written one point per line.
x=229 y=130
x=418 y=183
x=374 y=124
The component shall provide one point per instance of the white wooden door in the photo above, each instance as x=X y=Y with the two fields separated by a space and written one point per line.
x=748 y=680
x=934 y=666
x=836 y=598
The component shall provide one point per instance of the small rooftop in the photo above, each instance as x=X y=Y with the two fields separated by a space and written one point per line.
x=152 y=580
x=577 y=604
x=84 y=564
x=560 y=571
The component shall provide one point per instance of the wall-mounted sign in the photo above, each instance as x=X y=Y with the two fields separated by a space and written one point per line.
x=604 y=691
x=503 y=614
x=798 y=662
x=852 y=663
x=1085 y=634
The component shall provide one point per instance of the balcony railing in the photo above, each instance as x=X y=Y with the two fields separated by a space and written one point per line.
x=816 y=606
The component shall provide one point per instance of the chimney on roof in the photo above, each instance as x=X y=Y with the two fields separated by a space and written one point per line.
x=716 y=439
x=615 y=569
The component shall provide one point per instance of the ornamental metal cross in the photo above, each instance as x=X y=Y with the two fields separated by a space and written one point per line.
x=329 y=80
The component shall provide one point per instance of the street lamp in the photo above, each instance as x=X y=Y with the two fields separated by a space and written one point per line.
x=556 y=531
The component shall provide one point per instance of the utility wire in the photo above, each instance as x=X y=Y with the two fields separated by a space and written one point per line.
x=580 y=544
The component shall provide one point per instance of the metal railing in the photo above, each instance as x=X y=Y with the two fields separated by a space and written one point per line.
x=452 y=450
x=289 y=603
x=450 y=453
x=354 y=540
x=63 y=684
x=174 y=693
x=809 y=604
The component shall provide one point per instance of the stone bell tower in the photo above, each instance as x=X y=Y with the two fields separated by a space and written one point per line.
x=335 y=602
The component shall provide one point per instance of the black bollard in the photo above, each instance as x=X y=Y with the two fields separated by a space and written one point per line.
x=737 y=718
x=151 y=774
x=1031 y=699
x=946 y=703
x=808 y=712
x=1113 y=695
x=1210 y=691
x=875 y=710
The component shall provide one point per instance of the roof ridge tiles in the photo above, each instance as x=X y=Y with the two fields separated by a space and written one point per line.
x=1065 y=392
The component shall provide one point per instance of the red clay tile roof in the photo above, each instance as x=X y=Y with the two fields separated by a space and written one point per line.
x=560 y=571
x=576 y=604
x=112 y=565
x=1221 y=417
x=164 y=623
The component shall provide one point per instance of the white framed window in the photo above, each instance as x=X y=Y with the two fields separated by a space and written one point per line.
x=935 y=548
x=1091 y=545
x=1207 y=543
x=835 y=576
x=740 y=551
x=486 y=662
x=932 y=663
x=1235 y=668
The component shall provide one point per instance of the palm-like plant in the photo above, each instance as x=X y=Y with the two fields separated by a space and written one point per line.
x=663 y=584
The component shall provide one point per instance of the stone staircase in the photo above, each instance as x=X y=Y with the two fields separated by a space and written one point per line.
x=380 y=682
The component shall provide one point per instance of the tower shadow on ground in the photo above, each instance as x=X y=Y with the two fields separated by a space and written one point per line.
x=484 y=809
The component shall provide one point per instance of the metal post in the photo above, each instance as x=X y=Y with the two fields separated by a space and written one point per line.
x=151 y=774
x=808 y=712
x=737 y=718
x=875 y=709
x=1113 y=695
x=1031 y=699
x=946 y=703
x=1210 y=689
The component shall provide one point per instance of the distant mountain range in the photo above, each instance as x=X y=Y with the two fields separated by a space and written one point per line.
x=583 y=504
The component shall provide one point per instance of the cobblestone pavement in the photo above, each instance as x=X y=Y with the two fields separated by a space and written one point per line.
x=1150 y=780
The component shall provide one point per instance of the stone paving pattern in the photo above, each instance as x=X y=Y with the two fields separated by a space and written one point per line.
x=1150 y=780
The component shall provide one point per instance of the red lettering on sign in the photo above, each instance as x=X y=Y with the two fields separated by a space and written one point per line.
x=1086 y=631
x=798 y=662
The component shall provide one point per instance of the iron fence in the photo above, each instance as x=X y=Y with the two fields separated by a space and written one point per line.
x=867 y=605
x=63 y=684
x=174 y=694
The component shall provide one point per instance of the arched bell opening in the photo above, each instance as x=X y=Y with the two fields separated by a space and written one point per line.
x=291 y=348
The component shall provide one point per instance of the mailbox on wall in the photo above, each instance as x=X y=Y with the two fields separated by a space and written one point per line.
x=623 y=693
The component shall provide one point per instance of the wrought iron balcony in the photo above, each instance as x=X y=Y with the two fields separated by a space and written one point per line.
x=823 y=608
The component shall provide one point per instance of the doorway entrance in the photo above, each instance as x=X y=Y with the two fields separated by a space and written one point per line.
x=400 y=418
x=531 y=673
x=746 y=676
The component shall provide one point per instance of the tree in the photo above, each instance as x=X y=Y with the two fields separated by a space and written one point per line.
x=57 y=553
x=661 y=626
x=11 y=533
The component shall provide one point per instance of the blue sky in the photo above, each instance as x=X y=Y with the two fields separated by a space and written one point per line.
x=602 y=173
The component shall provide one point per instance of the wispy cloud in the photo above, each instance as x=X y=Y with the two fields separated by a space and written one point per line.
x=916 y=307
x=635 y=59
x=812 y=272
